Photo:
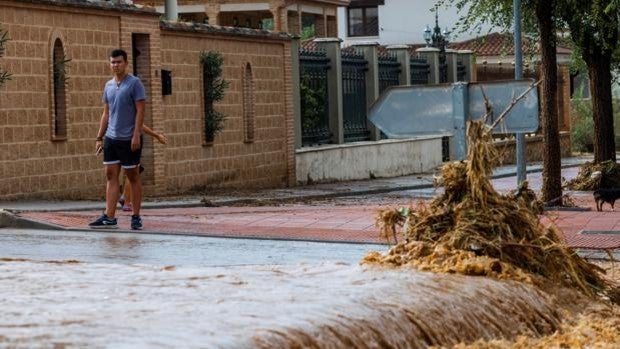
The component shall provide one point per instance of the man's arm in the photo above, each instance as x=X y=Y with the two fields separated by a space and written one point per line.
x=103 y=126
x=137 y=131
x=159 y=136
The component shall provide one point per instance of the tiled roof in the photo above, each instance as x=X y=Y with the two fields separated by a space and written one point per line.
x=494 y=44
x=216 y=29
x=500 y=44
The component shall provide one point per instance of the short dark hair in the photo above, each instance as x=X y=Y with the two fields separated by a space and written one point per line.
x=119 y=52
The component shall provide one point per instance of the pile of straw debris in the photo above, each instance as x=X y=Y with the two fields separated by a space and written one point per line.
x=593 y=176
x=474 y=230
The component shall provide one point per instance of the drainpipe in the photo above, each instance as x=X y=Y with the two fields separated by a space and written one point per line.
x=172 y=11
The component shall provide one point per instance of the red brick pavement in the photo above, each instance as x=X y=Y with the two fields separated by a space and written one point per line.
x=285 y=222
x=325 y=223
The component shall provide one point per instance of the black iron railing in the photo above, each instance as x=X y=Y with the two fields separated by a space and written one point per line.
x=389 y=72
x=313 y=67
x=354 y=68
x=461 y=71
x=443 y=72
x=419 y=71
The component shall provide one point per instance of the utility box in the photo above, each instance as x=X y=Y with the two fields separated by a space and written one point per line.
x=166 y=82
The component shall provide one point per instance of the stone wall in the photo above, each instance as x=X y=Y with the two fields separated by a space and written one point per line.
x=35 y=164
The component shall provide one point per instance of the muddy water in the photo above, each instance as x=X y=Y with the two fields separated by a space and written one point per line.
x=325 y=305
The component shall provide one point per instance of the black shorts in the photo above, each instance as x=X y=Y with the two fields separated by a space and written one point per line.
x=119 y=152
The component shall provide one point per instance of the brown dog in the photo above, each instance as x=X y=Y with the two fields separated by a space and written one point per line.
x=609 y=195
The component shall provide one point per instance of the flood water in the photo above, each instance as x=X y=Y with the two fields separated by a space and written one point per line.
x=152 y=291
x=179 y=250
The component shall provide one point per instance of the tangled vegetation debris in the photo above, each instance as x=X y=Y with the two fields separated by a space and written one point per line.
x=596 y=328
x=472 y=229
x=593 y=176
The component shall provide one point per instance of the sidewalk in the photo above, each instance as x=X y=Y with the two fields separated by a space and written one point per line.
x=270 y=196
x=587 y=229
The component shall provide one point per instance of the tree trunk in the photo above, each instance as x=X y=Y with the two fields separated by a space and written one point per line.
x=551 y=175
x=599 y=70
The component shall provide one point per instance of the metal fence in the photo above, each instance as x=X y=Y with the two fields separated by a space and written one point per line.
x=389 y=72
x=313 y=66
x=419 y=71
x=461 y=71
x=443 y=72
x=354 y=68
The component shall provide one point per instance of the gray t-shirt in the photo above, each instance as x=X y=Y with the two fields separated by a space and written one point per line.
x=121 y=100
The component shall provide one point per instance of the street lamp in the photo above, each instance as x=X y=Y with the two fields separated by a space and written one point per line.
x=427 y=35
x=435 y=38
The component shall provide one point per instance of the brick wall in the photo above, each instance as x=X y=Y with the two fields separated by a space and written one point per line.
x=31 y=163
x=229 y=161
x=34 y=165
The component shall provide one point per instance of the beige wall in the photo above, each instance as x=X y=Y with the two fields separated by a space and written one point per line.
x=229 y=161
x=32 y=165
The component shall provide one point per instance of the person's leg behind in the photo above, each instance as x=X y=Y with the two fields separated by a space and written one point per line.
x=130 y=161
x=127 y=204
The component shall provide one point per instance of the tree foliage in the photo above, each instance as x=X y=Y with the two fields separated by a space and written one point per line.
x=538 y=18
x=4 y=75
x=593 y=28
x=214 y=87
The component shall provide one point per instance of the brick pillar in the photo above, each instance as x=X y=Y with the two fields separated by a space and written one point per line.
x=319 y=26
x=213 y=12
x=369 y=50
x=280 y=17
x=469 y=60
x=295 y=82
x=402 y=56
x=451 y=59
x=293 y=22
x=431 y=55
x=331 y=46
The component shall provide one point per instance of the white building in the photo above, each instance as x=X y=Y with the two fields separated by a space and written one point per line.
x=391 y=22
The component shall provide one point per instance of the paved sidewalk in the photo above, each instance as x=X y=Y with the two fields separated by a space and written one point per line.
x=586 y=229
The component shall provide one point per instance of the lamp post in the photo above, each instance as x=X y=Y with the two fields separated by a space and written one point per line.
x=435 y=38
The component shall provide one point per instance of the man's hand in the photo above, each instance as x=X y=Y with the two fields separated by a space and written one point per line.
x=98 y=147
x=135 y=143
x=161 y=138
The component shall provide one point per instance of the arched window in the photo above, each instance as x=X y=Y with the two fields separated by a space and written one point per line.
x=59 y=93
x=248 y=104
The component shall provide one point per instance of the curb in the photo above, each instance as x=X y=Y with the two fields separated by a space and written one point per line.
x=11 y=220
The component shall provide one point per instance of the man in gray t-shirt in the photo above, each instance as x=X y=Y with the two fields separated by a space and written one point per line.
x=121 y=124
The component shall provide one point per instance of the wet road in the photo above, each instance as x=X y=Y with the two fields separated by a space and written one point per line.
x=154 y=249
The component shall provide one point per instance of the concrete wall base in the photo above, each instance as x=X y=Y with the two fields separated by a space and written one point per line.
x=363 y=160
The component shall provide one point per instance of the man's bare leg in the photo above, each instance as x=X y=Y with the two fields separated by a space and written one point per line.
x=111 y=191
x=136 y=189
